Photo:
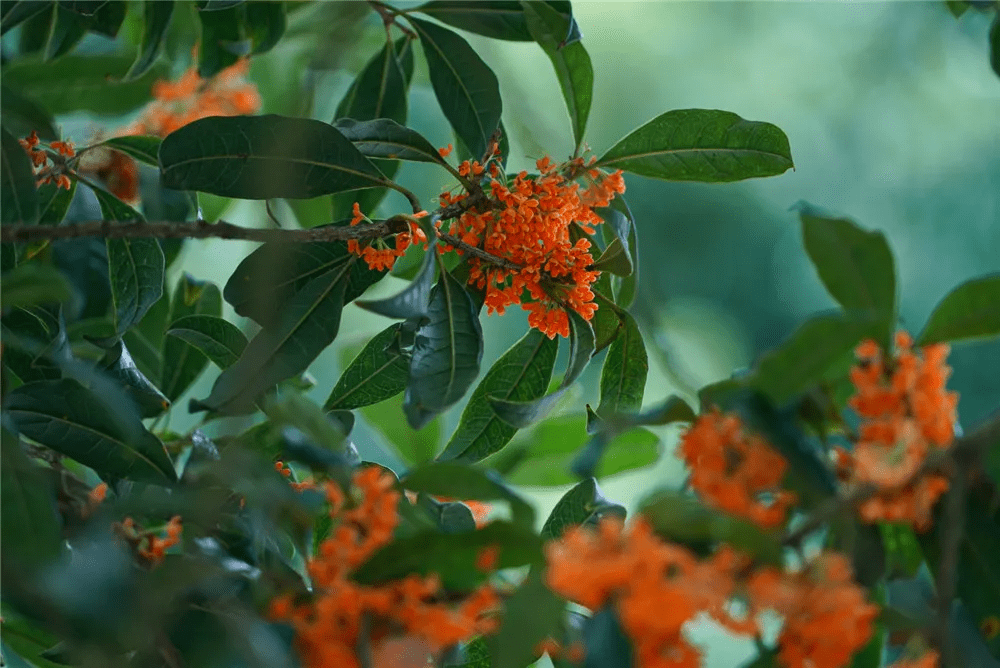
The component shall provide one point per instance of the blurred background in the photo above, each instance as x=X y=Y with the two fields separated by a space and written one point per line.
x=893 y=116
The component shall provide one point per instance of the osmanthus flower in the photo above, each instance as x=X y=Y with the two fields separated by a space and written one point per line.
x=906 y=413
x=147 y=544
x=407 y=621
x=734 y=470
x=49 y=165
x=377 y=253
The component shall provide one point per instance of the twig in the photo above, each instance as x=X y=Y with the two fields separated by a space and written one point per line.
x=478 y=252
x=952 y=529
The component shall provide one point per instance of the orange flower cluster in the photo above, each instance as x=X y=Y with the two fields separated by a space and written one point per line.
x=308 y=483
x=575 y=653
x=905 y=413
x=731 y=469
x=376 y=252
x=402 y=618
x=149 y=546
x=527 y=223
x=40 y=158
x=657 y=587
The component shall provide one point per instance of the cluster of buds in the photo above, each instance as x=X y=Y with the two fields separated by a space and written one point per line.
x=50 y=165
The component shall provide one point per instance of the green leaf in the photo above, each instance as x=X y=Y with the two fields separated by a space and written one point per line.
x=379 y=91
x=65 y=32
x=155 y=22
x=531 y=614
x=83 y=83
x=571 y=62
x=136 y=266
x=118 y=364
x=141 y=147
x=108 y=18
x=31 y=526
x=452 y=555
x=17 y=183
x=34 y=283
x=623 y=377
x=465 y=86
x=21 y=114
x=385 y=138
x=605 y=642
x=462 y=482
x=995 y=44
x=495 y=19
x=447 y=350
x=614 y=259
x=15 y=12
x=856 y=266
x=265 y=23
x=378 y=372
x=683 y=519
x=414 y=299
x=521 y=374
x=803 y=359
x=263 y=157
x=970 y=311
x=307 y=324
x=607 y=322
x=219 y=340
x=583 y=504
x=388 y=419
x=183 y=363
x=223 y=39
x=69 y=418
x=701 y=145
x=53 y=202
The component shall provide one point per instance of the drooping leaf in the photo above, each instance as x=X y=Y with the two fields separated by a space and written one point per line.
x=118 y=363
x=465 y=86
x=498 y=19
x=995 y=44
x=224 y=39
x=219 y=340
x=414 y=299
x=155 y=22
x=701 y=145
x=70 y=419
x=182 y=362
x=623 y=377
x=614 y=259
x=583 y=504
x=521 y=374
x=263 y=157
x=44 y=343
x=34 y=283
x=378 y=372
x=141 y=147
x=30 y=522
x=17 y=183
x=53 y=202
x=136 y=266
x=65 y=32
x=571 y=61
x=385 y=138
x=83 y=83
x=447 y=350
x=607 y=321
x=265 y=23
x=970 y=311
x=855 y=265
x=379 y=91
x=462 y=482
x=108 y=18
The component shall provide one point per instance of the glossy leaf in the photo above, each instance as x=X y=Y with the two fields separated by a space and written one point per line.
x=379 y=91
x=855 y=265
x=263 y=157
x=583 y=504
x=31 y=526
x=970 y=311
x=307 y=324
x=461 y=482
x=447 y=350
x=65 y=32
x=465 y=86
x=141 y=147
x=701 y=145
x=53 y=202
x=521 y=374
x=155 y=22
x=385 y=138
x=614 y=260
x=70 y=419
x=118 y=363
x=136 y=266
x=623 y=377
x=571 y=61
x=17 y=183
x=34 y=283
x=607 y=321
x=496 y=19
x=218 y=339
x=378 y=372
x=414 y=299
x=182 y=362
x=83 y=83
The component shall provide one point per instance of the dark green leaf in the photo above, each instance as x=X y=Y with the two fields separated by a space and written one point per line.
x=263 y=157
x=16 y=11
x=521 y=374
x=413 y=300
x=378 y=372
x=462 y=482
x=265 y=22
x=17 y=183
x=44 y=343
x=307 y=324
x=90 y=83
x=972 y=310
x=995 y=44
x=53 y=202
x=108 y=18
x=447 y=350
x=118 y=363
x=623 y=378
x=219 y=340
x=379 y=91
x=321 y=429
x=217 y=5
x=136 y=266
x=607 y=322
x=465 y=86
x=701 y=145
x=223 y=40
x=34 y=283
x=583 y=504
x=69 y=418
x=183 y=363
x=155 y=21
x=384 y=138
x=614 y=260
x=141 y=147
x=66 y=31
x=856 y=266
x=21 y=114
x=30 y=523
x=605 y=642
x=497 y=19
x=571 y=62
x=531 y=615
